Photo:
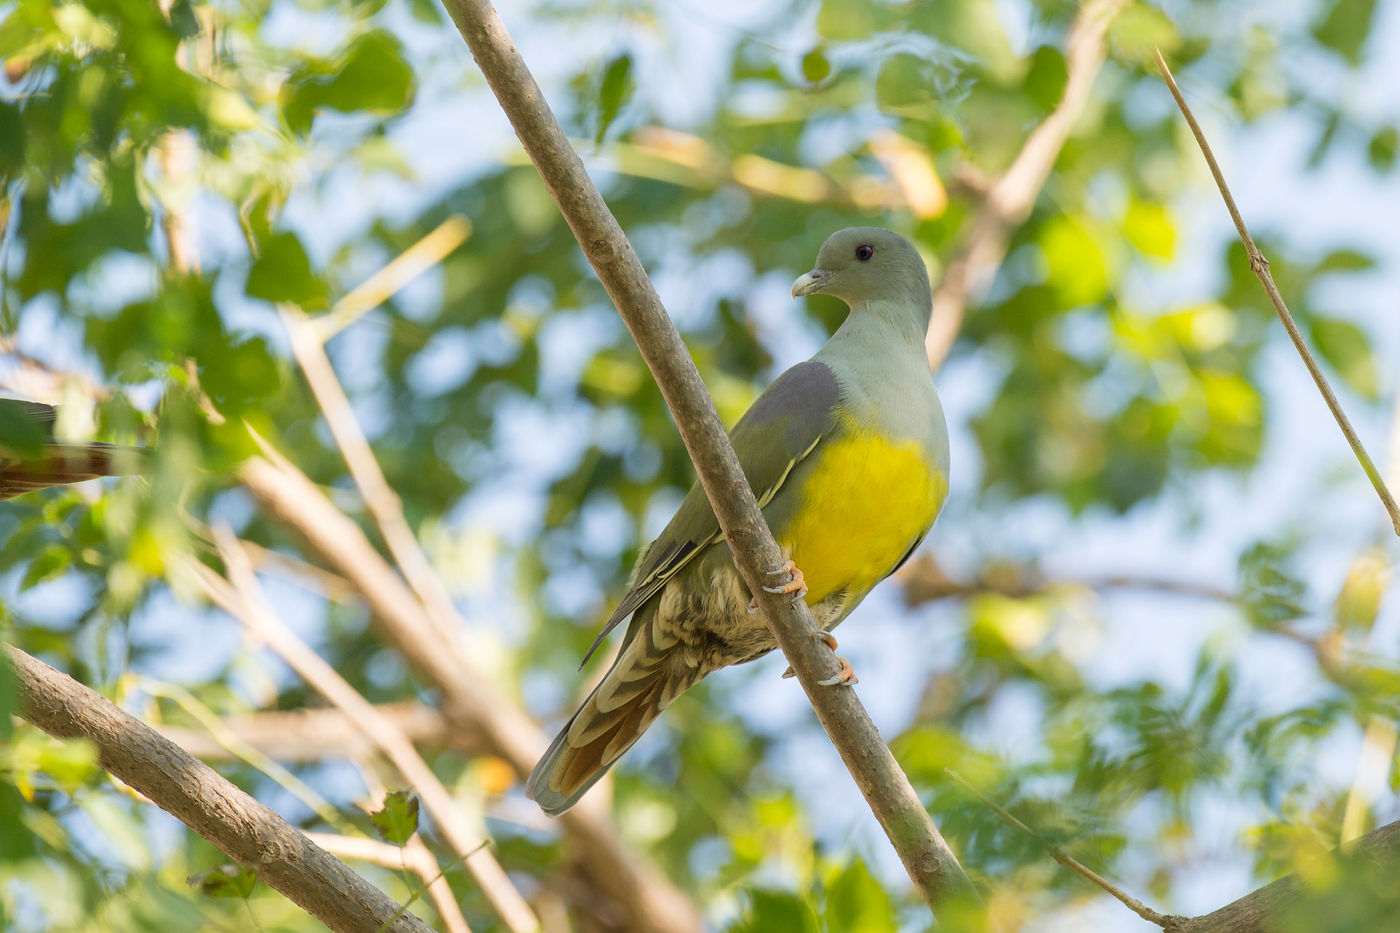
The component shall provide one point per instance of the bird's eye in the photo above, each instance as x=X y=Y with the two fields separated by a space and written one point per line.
x=864 y=252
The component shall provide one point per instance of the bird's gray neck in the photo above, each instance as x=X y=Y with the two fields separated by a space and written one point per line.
x=886 y=326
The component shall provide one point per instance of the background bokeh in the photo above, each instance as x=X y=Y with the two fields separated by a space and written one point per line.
x=1151 y=620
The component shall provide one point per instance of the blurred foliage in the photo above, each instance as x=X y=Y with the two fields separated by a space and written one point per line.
x=533 y=454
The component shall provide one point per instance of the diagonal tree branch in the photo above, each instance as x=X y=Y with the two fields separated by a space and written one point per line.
x=1260 y=267
x=316 y=733
x=414 y=856
x=241 y=827
x=1011 y=196
x=646 y=899
x=242 y=597
x=1267 y=909
x=384 y=504
x=926 y=856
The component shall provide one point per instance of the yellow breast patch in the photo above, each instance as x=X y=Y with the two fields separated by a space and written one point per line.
x=865 y=502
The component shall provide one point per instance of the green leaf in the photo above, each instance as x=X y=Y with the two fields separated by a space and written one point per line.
x=816 y=66
x=23 y=432
x=241 y=373
x=1345 y=260
x=905 y=86
x=226 y=880
x=615 y=90
x=1148 y=226
x=1139 y=29
x=52 y=562
x=1268 y=590
x=1045 y=79
x=397 y=820
x=371 y=76
x=17 y=842
x=12 y=132
x=1325 y=139
x=1382 y=149
x=1345 y=28
x=1078 y=267
x=856 y=902
x=848 y=20
x=973 y=26
x=771 y=911
x=282 y=272
x=1348 y=349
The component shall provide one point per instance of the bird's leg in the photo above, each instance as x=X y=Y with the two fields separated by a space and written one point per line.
x=846 y=677
x=796 y=583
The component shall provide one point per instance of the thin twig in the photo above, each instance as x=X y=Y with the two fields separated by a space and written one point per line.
x=646 y=899
x=221 y=736
x=930 y=862
x=402 y=269
x=1165 y=921
x=243 y=598
x=1260 y=266
x=314 y=733
x=383 y=503
x=925 y=581
x=414 y=855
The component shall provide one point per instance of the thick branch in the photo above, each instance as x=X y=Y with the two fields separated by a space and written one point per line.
x=194 y=793
x=930 y=863
x=1009 y=199
x=1267 y=909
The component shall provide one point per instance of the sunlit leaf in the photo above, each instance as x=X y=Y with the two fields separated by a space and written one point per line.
x=774 y=910
x=397 y=820
x=815 y=66
x=1345 y=27
x=226 y=881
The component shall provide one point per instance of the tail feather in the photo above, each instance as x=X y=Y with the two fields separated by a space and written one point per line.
x=641 y=683
x=59 y=464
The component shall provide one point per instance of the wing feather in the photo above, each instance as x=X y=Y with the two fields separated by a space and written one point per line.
x=781 y=429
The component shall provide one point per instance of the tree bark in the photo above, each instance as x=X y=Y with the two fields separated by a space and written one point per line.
x=926 y=856
x=191 y=791
x=1266 y=909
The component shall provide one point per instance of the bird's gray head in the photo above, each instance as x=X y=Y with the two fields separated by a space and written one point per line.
x=867 y=264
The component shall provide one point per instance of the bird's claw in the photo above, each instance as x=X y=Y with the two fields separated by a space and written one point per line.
x=847 y=675
x=796 y=584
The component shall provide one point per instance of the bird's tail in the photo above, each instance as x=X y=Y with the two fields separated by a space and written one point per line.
x=642 y=682
x=29 y=459
x=58 y=464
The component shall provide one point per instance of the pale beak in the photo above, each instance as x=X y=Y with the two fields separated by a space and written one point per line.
x=810 y=283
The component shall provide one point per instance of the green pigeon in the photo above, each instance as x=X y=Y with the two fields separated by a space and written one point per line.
x=848 y=456
x=30 y=459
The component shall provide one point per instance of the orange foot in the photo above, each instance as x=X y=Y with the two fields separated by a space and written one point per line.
x=796 y=584
x=846 y=677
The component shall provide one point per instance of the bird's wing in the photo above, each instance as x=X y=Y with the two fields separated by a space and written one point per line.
x=782 y=427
